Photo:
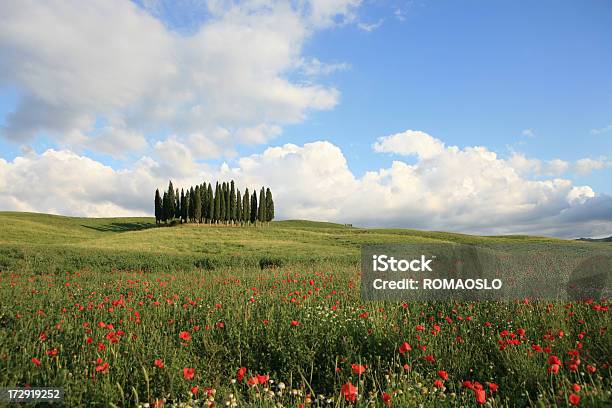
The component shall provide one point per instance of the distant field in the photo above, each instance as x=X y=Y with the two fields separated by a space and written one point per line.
x=41 y=242
x=122 y=313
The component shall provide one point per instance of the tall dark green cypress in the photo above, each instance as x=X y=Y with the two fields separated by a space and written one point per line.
x=223 y=203
x=191 y=204
x=197 y=204
x=269 y=206
x=232 y=202
x=246 y=207
x=182 y=205
x=165 y=207
x=203 y=201
x=171 y=202
x=238 y=207
x=211 y=203
x=187 y=207
x=158 y=207
x=254 y=207
x=261 y=211
x=217 y=216
x=177 y=204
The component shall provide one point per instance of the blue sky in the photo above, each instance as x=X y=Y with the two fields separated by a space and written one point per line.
x=529 y=81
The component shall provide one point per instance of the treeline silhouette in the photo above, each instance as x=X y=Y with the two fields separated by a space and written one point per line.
x=226 y=205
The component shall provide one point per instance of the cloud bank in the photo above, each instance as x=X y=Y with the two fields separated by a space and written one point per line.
x=469 y=189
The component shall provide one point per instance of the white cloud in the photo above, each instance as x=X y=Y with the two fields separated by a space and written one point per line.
x=466 y=189
x=410 y=142
x=605 y=129
x=78 y=63
x=369 y=27
x=528 y=133
x=586 y=165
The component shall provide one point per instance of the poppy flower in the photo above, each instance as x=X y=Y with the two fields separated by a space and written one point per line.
x=159 y=363
x=493 y=387
x=574 y=399
x=188 y=373
x=194 y=390
x=184 y=336
x=404 y=348
x=553 y=369
x=386 y=399
x=358 y=369
x=438 y=383
x=576 y=387
x=240 y=374
x=554 y=360
x=295 y=323
x=443 y=374
x=253 y=381
x=262 y=379
x=481 y=396
x=36 y=361
x=349 y=392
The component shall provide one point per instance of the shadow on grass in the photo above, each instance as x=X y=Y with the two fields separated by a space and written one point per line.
x=121 y=226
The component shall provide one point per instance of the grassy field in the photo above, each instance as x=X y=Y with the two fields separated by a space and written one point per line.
x=120 y=312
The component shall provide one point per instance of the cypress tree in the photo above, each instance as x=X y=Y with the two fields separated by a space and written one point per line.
x=187 y=207
x=254 y=207
x=165 y=207
x=269 y=206
x=238 y=207
x=177 y=205
x=246 y=207
x=217 y=216
x=182 y=206
x=158 y=207
x=171 y=202
x=197 y=204
x=211 y=203
x=204 y=194
x=232 y=202
x=191 y=204
x=223 y=203
x=261 y=213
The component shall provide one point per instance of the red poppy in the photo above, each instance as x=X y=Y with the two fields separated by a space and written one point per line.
x=438 y=383
x=240 y=374
x=481 y=396
x=194 y=390
x=188 y=373
x=349 y=392
x=52 y=352
x=253 y=381
x=159 y=363
x=262 y=379
x=184 y=336
x=576 y=387
x=443 y=374
x=574 y=399
x=553 y=369
x=554 y=360
x=591 y=369
x=102 y=368
x=36 y=361
x=386 y=399
x=295 y=323
x=493 y=387
x=404 y=348
x=358 y=369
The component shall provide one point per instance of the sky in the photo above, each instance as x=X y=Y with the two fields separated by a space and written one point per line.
x=475 y=116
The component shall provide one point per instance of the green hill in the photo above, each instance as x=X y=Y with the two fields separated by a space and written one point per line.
x=43 y=243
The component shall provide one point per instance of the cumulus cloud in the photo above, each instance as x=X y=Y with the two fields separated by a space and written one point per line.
x=605 y=129
x=76 y=64
x=469 y=189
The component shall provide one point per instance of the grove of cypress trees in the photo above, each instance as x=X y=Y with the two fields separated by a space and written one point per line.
x=246 y=207
x=269 y=206
x=238 y=207
x=158 y=207
x=254 y=207
x=261 y=213
x=197 y=205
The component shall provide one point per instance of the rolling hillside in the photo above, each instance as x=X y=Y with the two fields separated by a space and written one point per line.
x=42 y=242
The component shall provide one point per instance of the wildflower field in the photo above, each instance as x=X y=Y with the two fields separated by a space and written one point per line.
x=122 y=314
